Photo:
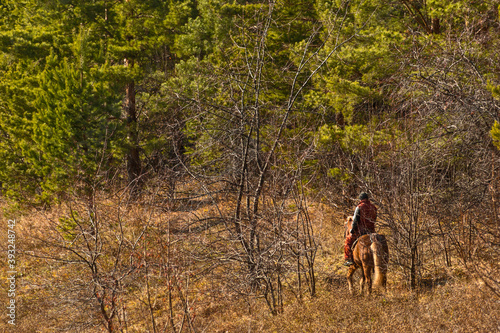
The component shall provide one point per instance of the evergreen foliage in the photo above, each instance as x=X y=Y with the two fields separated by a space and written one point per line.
x=63 y=77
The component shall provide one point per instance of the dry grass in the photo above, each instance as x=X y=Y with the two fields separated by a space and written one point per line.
x=54 y=296
x=455 y=307
x=452 y=308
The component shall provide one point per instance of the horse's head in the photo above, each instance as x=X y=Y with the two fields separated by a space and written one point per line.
x=347 y=225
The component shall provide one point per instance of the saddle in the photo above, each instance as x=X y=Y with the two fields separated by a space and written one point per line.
x=372 y=239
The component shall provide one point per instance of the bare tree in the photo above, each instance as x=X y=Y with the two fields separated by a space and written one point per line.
x=264 y=224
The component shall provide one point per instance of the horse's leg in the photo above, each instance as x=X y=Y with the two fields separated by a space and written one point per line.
x=362 y=281
x=368 y=275
x=350 y=273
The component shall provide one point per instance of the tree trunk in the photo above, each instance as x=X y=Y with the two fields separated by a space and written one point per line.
x=133 y=158
x=413 y=268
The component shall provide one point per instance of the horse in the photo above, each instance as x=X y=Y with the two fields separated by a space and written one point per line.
x=370 y=253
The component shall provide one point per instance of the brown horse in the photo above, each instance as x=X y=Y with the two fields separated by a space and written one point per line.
x=370 y=253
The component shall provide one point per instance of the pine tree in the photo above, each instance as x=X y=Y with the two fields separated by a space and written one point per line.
x=55 y=117
x=64 y=69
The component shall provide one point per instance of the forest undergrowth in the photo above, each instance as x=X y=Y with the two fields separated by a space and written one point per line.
x=149 y=276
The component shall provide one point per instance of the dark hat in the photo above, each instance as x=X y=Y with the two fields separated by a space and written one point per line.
x=363 y=196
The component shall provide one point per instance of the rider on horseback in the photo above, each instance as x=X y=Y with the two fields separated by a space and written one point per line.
x=364 y=217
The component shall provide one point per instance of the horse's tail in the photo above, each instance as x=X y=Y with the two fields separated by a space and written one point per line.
x=380 y=252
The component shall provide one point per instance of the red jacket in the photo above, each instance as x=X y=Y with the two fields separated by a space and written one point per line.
x=365 y=217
